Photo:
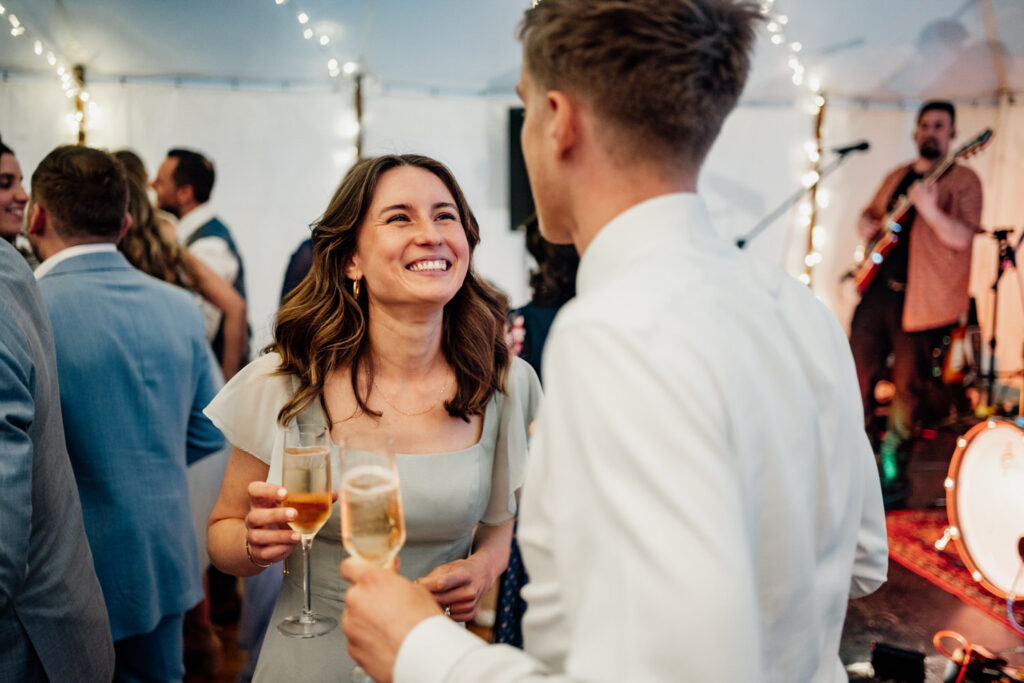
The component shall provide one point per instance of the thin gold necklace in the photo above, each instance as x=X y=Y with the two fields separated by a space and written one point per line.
x=444 y=392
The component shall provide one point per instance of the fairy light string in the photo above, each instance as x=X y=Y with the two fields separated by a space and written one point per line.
x=71 y=76
x=810 y=86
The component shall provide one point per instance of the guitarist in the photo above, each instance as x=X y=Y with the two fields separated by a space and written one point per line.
x=920 y=289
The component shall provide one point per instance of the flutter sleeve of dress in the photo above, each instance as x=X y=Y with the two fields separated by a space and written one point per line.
x=246 y=409
x=518 y=409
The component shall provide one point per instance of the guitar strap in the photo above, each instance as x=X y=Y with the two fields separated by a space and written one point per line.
x=908 y=179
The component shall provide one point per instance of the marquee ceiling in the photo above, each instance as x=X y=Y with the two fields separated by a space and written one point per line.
x=875 y=50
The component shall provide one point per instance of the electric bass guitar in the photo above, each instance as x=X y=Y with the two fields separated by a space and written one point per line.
x=871 y=255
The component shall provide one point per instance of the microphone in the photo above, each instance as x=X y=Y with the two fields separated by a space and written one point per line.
x=855 y=147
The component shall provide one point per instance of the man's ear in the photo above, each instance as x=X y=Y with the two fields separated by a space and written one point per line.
x=564 y=123
x=184 y=194
x=37 y=219
x=125 y=225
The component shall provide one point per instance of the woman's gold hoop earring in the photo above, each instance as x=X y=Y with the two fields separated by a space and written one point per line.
x=355 y=289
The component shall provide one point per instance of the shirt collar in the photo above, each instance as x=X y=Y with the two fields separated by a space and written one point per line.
x=678 y=216
x=71 y=252
x=191 y=221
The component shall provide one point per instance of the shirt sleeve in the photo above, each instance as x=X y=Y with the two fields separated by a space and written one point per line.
x=967 y=200
x=17 y=411
x=876 y=209
x=871 y=561
x=519 y=409
x=203 y=437
x=438 y=649
x=246 y=408
x=215 y=255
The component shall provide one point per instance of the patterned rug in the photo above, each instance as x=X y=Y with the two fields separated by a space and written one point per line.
x=912 y=535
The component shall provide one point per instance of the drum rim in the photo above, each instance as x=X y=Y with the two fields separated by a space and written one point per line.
x=962 y=444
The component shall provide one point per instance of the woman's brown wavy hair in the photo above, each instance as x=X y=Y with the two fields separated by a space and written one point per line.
x=143 y=245
x=322 y=327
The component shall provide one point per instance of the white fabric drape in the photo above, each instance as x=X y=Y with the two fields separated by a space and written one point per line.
x=280 y=154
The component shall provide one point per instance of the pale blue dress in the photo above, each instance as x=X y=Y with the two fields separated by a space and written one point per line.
x=444 y=496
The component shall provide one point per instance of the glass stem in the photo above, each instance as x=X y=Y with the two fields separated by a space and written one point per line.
x=307 y=606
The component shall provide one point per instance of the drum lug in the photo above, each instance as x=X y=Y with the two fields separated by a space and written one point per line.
x=947 y=535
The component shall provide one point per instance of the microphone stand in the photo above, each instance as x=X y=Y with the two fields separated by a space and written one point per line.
x=1006 y=257
x=741 y=242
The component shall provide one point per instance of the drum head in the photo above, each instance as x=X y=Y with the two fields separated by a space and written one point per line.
x=985 y=500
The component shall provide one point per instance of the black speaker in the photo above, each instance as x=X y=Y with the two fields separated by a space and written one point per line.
x=520 y=200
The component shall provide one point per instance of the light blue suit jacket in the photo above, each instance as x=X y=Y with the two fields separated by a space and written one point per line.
x=135 y=373
x=53 y=625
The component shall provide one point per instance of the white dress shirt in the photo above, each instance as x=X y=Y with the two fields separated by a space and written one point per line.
x=71 y=252
x=215 y=255
x=701 y=499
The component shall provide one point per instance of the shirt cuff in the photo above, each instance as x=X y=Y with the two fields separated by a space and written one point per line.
x=432 y=649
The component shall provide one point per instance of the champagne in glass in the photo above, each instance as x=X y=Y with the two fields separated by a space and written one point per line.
x=372 y=523
x=307 y=478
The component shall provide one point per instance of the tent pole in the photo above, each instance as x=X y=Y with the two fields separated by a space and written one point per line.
x=819 y=117
x=79 y=74
x=359 y=115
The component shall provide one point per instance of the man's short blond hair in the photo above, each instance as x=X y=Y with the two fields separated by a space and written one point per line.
x=663 y=74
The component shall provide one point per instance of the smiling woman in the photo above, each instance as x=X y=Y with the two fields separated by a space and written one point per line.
x=391 y=331
x=12 y=195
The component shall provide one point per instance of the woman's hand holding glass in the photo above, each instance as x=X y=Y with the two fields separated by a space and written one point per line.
x=458 y=586
x=267 y=532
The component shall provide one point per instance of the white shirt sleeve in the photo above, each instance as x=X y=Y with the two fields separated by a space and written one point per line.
x=245 y=409
x=871 y=562
x=215 y=255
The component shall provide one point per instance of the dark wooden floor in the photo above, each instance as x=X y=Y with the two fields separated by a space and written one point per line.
x=908 y=610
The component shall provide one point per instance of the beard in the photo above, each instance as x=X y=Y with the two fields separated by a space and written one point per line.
x=929 y=149
x=173 y=210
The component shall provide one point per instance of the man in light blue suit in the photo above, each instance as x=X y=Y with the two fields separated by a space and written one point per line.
x=53 y=624
x=135 y=372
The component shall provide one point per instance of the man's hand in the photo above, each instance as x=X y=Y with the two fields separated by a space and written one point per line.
x=867 y=227
x=459 y=585
x=381 y=608
x=924 y=197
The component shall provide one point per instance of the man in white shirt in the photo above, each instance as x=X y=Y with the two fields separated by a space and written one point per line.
x=701 y=500
x=183 y=184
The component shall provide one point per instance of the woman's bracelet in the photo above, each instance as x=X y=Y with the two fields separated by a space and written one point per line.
x=248 y=551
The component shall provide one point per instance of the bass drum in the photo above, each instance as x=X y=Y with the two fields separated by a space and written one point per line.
x=985 y=503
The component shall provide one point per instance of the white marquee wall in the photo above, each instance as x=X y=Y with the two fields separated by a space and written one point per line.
x=279 y=156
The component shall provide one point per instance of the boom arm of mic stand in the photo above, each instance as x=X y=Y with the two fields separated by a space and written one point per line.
x=790 y=201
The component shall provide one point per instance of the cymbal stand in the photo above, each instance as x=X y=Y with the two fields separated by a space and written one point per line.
x=1006 y=258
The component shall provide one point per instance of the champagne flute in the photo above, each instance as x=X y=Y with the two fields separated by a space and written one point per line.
x=372 y=523
x=307 y=478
